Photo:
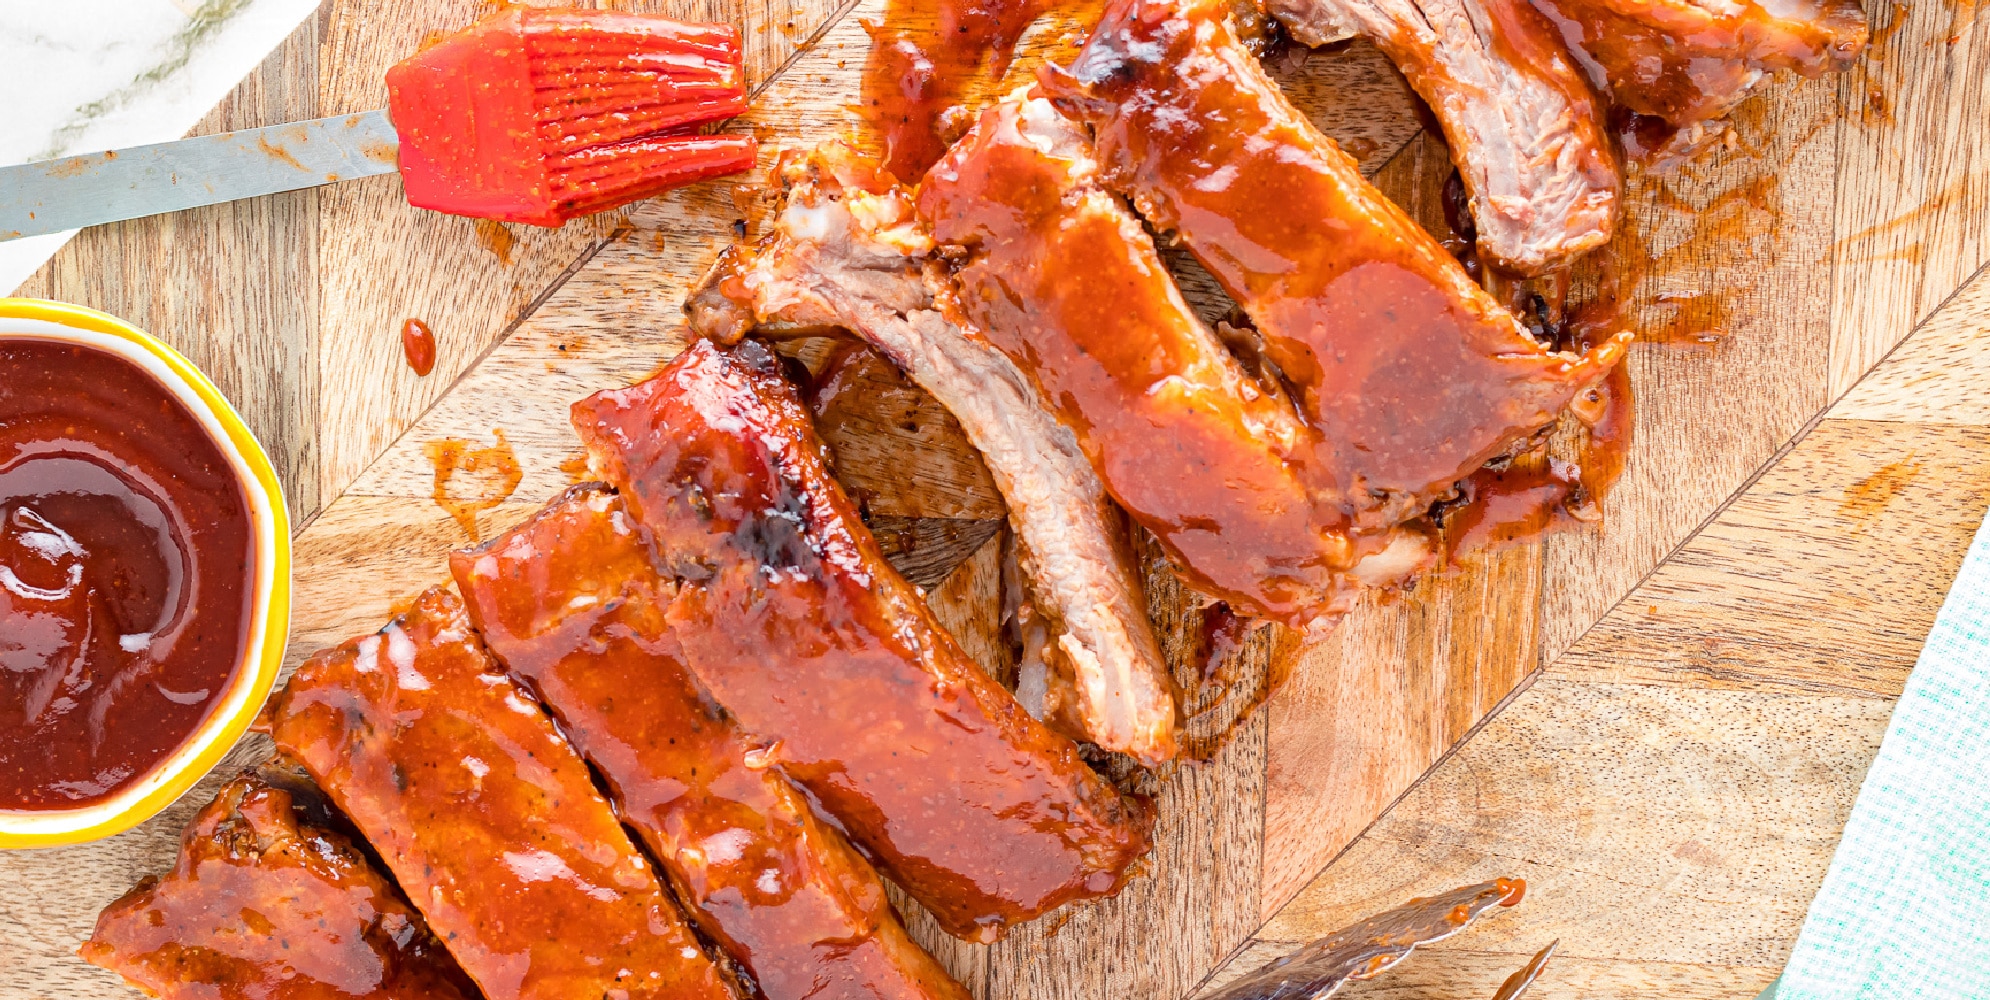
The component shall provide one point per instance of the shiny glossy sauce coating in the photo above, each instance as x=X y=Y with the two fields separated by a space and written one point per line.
x=849 y=252
x=1686 y=62
x=486 y=816
x=924 y=58
x=1410 y=372
x=794 y=621
x=1060 y=276
x=265 y=903
x=126 y=574
x=571 y=604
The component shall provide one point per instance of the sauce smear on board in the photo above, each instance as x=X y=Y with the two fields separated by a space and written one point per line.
x=125 y=574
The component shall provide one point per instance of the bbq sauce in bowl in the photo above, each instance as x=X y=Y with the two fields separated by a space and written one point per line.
x=125 y=574
x=143 y=575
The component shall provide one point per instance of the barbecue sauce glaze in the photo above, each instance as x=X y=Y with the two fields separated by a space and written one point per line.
x=792 y=619
x=1413 y=375
x=484 y=813
x=269 y=901
x=1209 y=459
x=125 y=574
x=572 y=605
x=924 y=59
x=1684 y=64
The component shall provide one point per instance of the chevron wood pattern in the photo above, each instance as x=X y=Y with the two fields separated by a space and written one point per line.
x=1659 y=723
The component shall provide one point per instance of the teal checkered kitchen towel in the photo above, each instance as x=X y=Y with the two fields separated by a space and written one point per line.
x=1905 y=908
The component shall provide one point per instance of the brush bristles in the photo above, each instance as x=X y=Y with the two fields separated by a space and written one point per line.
x=539 y=115
x=566 y=134
x=548 y=29
x=665 y=62
x=602 y=177
x=601 y=78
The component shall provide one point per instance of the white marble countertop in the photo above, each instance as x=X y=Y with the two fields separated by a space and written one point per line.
x=87 y=75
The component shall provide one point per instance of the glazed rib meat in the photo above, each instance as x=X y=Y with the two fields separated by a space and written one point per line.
x=267 y=903
x=1057 y=273
x=571 y=604
x=485 y=815
x=847 y=253
x=1523 y=125
x=1412 y=374
x=1687 y=61
x=792 y=619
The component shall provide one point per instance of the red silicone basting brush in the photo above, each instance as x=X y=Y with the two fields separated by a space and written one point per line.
x=532 y=115
x=539 y=115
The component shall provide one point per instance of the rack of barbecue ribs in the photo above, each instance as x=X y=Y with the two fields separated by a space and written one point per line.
x=847 y=254
x=571 y=604
x=791 y=619
x=269 y=902
x=1686 y=61
x=1200 y=452
x=1526 y=130
x=1413 y=376
x=486 y=817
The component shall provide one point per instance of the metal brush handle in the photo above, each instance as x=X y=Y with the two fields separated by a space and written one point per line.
x=51 y=196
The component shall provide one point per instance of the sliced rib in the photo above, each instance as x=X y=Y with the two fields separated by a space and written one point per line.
x=267 y=902
x=571 y=604
x=794 y=622
x=486 y=816
x=1687 y=61
x=847 y=253
x=1057 y=273
x=1413 y=376
x=1524 y=127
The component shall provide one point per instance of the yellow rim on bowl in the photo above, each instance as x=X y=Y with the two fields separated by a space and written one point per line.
x=269 y=623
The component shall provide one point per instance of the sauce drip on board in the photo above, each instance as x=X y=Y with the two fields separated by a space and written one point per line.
x=418 y=346
x=125 y=574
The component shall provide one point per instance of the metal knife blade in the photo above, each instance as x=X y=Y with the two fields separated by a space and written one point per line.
x=76 y=191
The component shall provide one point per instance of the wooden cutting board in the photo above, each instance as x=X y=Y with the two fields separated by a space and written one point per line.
x=1659 y=723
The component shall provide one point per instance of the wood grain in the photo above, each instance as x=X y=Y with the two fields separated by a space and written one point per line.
x=899 y=452
x=1824 y=577
x=1673 y=781
x=1192 y=905
x=1950 y=347
x=1912 y=220
x=1674 y=809
x=1652 y=823
x=1370 y=709
x=1736 y=241
x=1452 y=971
x=230 y=286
